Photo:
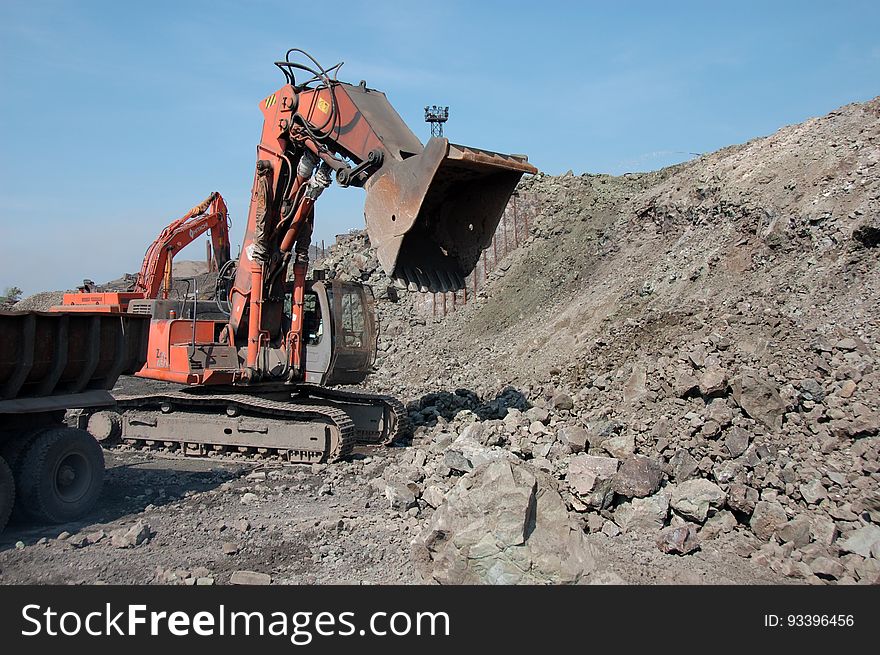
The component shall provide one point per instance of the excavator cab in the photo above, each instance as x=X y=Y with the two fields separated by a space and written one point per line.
x=340 y=333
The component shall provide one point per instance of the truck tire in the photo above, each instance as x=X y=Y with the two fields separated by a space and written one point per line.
x=13 y=448
x=7 y=493
x=61 y=476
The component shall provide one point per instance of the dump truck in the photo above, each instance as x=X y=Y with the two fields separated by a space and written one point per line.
x=50 y=363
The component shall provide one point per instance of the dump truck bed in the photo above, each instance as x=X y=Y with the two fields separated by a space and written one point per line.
x=49 y=354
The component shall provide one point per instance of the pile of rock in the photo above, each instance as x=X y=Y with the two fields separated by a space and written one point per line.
x=39 y=302
x=793 y=509
x=691 y=353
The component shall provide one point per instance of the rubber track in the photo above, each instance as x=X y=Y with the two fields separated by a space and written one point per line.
x=400 y=417
x=284 y=410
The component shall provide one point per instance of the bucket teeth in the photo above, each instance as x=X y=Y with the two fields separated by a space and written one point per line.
x=411 y=279
x=431 y=280
x=448 y=282
x=423 y=280
x=437 y=283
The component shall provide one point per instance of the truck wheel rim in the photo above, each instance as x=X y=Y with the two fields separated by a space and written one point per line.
x=72 y=477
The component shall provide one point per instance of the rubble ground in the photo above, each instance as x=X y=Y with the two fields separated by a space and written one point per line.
x=672 y=380
x=194 y=521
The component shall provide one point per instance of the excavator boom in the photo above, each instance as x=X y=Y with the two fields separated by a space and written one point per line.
x=154 y=279
x=211 y=216
x=430 y=209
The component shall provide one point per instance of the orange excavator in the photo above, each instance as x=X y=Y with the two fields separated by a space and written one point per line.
x=155 y=277
x=261 y=380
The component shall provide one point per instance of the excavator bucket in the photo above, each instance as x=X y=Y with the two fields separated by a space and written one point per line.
x=432 y=214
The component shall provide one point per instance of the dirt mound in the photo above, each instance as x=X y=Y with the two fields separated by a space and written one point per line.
x=189 y=268
x=183 y=286
x=39 y=302
x=718 y=318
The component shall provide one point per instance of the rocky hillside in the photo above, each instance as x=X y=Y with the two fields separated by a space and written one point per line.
x=687 y=356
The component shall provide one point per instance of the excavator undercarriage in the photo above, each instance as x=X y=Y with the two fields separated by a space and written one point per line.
x=303 y=424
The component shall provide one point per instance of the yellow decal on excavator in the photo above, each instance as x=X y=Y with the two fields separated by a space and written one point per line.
x=323 y=105
x=270 y=101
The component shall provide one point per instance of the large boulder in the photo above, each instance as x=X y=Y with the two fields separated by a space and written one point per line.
x=713 y=381
x=575 y=438
x=638 y=477
x=861 y=541
x=400 y=496
x=759 y=398
x=591 y=479
x=742 y=498
x=130 y=537
x=678 y=540
x=465 y=454
x=562 y=400
x=504 y=523
x=737 y=441
x=634 y=389
x=683 y=465
x=768 y=518
x=685 y=384
x=646 y=514
x=694 y=499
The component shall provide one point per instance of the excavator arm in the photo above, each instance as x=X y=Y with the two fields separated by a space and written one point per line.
x=156 y=270
x=430 y=209
x=155 y=277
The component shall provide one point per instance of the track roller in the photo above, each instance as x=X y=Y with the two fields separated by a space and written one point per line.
x=105 y=426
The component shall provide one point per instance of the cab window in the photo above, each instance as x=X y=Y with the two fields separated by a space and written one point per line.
x=352 y=320
x=313 y=326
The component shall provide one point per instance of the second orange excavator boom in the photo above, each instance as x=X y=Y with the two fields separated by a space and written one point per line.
x=156 y=269
x=155 y=277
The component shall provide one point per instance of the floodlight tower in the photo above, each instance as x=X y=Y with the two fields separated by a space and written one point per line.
x=436 y=116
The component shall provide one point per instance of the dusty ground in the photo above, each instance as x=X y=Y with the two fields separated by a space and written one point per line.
x=290 y=531
x=194 y=508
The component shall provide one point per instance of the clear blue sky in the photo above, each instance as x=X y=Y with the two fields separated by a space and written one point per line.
x=116 y=117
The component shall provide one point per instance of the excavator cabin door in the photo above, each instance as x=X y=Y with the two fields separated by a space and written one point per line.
x=339 y=329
